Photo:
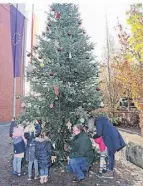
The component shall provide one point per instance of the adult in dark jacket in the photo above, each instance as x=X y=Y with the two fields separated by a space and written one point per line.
x=81 y=155
x=43 y=153
x=112 y=139
x=38 y=127
x=12 y=125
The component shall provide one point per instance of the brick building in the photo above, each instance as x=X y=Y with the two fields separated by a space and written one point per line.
x=6 y=69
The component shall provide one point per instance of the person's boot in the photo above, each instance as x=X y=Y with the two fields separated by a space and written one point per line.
x=104 y=171
x=86 y=173
x=29 y=178
x=46 y=179
x=76 y=180
x=41 y=179
x=99 y=174
x=108 y=174
x=36 y=177
x=14 y=172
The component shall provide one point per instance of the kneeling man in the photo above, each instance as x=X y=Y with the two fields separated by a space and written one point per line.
x=81 y=155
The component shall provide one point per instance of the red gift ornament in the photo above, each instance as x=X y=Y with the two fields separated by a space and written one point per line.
x=59 y=49
x=51 y=105
x=98 y=89
x=56 y=90
x=58 y=15
x=51 y=74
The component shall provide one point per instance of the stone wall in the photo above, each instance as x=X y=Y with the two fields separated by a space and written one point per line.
x=134 y=150
x=134 y=154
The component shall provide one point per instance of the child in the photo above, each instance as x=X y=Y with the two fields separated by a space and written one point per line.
x=43 y=152
x=103 y=155
x=19 y=148
x=30 y=133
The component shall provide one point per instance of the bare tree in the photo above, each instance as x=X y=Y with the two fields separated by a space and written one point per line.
x=110 y=85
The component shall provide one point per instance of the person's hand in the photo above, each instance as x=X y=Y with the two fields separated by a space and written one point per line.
x=53 y=159
x=68 y=159
x=67 y=148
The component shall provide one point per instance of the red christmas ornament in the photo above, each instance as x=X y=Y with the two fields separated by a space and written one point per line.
x=59 y=49
x=126 y=62
x=58 y=15
x=79 y=22
x=29 y=54
x=69 y=34
x=128 y=37
x=98 y=89
x=120 y=26
x=17 y=97
x=51 y=74
x=56 y=90
x=51 y=105
x=40 y=57
x=36 y=47
x=43 y=34
x=141 y=104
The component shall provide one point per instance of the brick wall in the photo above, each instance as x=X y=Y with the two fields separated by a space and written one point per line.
x=6 y=68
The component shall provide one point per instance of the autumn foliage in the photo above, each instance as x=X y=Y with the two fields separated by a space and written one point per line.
x=128 y=64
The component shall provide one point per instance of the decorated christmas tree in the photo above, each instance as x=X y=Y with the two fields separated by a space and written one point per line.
x=63 y=76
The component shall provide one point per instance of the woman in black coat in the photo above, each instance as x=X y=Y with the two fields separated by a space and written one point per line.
x=112 y=139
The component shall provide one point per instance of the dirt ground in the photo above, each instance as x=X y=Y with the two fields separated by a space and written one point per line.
x=126 y=174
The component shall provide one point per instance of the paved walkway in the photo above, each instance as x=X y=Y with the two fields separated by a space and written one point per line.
x=126 y=174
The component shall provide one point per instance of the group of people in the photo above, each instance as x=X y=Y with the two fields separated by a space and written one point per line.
x=40 y=151
x=35 y=145
x=81 y=155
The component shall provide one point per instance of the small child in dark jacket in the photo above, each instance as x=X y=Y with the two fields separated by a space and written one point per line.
x=30 y=133
x=19 y=143
x=43 y=153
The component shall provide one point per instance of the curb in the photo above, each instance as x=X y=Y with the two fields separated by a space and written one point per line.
x=5 y=124
x=128 y=131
